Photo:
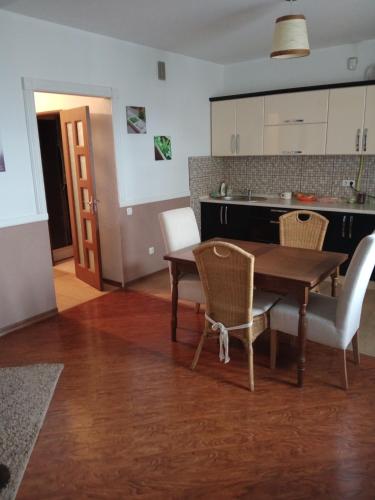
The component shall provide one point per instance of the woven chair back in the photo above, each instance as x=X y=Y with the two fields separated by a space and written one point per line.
x=303 y=229
x=226 y=273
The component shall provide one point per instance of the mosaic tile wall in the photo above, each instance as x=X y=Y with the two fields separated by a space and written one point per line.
x=321 y=175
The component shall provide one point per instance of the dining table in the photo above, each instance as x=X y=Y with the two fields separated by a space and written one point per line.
x=281 y=269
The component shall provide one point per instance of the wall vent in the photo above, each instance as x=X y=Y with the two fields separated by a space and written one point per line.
x=161 y=70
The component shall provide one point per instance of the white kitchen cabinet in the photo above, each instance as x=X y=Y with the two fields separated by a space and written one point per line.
x=249 y=123
x=298 y=107
x=345 y=120
x=223 y=128
x=237 y=127
x=298 y=139
x=368 y=137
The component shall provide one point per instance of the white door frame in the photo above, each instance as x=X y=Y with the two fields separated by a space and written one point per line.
x=31 y=85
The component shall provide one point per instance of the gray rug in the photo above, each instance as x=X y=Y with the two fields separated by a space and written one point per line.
x=25 y=394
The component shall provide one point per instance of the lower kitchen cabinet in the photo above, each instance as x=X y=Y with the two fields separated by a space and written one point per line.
x=224 y=221
x=345 y=231
x=253 y=223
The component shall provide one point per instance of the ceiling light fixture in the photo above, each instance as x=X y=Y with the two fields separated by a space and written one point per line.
x=290 y=37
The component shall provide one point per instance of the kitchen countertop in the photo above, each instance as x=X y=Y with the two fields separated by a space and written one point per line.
x=273 y=201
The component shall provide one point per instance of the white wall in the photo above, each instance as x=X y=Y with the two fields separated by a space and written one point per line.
x=323 y=66
x=104 y=169
x=178 y=107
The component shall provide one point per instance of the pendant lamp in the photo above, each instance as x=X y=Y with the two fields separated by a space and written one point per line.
x=290 y=37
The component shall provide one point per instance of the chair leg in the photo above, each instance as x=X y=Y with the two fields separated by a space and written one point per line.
x=274 y=346
x=355 y=346
x=344 y=371
x=198 y=351
x=251 y=366
x=197 y=307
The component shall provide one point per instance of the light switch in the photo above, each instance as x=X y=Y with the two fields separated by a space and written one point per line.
x=129 y=211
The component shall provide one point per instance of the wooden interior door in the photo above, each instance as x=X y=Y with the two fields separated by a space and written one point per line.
x=76 y=137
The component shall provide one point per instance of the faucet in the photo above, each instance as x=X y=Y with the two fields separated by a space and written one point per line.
x=249 y=194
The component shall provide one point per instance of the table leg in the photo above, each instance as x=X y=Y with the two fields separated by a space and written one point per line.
x=303 y=300
x=174 y=301
x=335 y=282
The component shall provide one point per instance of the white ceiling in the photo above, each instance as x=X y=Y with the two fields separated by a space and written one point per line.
x=222 y=31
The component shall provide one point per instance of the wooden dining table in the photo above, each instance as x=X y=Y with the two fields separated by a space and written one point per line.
x=280 y=269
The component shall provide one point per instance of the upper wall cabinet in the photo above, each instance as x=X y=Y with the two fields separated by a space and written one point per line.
x=296 y=139
x=296 y=108
x=351 y=121
x=237 y=127
x=368 y=139
x=223 y=128
x=345 y=120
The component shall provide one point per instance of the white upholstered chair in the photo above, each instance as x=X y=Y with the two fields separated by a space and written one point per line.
x=331 y=321
x=179 y=229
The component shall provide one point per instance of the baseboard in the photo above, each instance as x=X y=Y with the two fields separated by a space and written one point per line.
x=112 y=282
x=62 y=253
x=28 y=322
x=160 y=271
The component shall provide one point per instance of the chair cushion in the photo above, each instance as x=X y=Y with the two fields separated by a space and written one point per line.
x=320 y=319
x=190 y=288
x=263 y=301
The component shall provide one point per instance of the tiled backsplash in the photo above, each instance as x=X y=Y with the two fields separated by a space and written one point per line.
x=321 y=175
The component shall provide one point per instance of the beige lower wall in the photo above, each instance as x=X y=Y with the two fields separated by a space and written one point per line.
x=26 y=284
x=26 y=279
x=140 y=231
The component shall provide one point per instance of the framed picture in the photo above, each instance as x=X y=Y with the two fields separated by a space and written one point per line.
x=136 y=119
x=162 y=147
x=2 y=162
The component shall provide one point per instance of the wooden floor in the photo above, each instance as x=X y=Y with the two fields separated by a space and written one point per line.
x=71 y=291
x=129 y=418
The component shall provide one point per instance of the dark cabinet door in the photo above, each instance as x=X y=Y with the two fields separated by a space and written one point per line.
x=220 y=220
x=213 y=222
x=345 y=231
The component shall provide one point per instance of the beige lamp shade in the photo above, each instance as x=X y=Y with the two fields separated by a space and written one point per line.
x=290 y=37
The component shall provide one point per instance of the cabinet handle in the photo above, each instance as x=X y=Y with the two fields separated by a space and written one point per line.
x=297 y=120
x=343 y=226
x=226 y=215
x=221 y=215
x=297 y=152
x=274 y=222
x=233 y=144
x=364 y=140
x=351 y=226
x=357 y=139
x=237 y=143
x=278 y=211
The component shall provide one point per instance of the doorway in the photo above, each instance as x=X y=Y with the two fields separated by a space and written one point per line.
x=76 y=144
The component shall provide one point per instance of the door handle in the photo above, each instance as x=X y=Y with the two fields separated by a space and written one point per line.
x=357 y=139
x=297 y=120
x=351 y=226
x=221 y=215
x=274 y=222
x=226 y=214
x=92 y=203
x=237 y=143
x=364 y=140
x=233 y=144
x=343 y=226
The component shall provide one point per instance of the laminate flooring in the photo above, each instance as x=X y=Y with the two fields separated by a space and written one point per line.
x=129 y=419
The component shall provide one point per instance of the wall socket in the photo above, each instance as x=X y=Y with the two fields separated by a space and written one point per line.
x=151 y=250
x=348 y=183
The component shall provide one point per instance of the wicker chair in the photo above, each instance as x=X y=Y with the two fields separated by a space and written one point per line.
x=303 y=229
x=226 y=273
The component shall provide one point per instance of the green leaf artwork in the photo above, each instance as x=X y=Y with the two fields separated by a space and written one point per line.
x=163 y=147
